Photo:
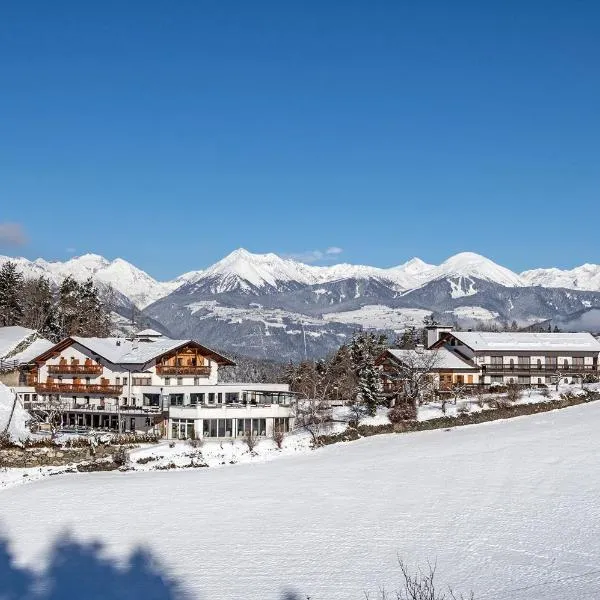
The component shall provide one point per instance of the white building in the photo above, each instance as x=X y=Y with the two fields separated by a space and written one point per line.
x=152 y=383
x=521 y=357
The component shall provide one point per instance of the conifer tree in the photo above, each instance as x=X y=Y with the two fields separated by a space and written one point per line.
x=11 y=289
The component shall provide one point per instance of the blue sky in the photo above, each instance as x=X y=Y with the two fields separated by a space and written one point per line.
x=172 y=133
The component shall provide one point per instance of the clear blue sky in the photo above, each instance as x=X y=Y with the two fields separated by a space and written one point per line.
x=170 y=133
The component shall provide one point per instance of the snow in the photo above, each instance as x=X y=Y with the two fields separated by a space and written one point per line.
x=378 y=316
x=11 y=337
x=445 y=358
x=17 y=429
x=469 y=264
x=499 y=508
x=584 y=277
x=35 y=349
x=474 y=312
x=532 y=342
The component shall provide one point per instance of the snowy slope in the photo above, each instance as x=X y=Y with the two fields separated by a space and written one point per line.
x=585 y=277
x=17 y=427
x=498 y=507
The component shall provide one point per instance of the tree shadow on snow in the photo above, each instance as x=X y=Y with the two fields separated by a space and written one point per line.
x=78 y=570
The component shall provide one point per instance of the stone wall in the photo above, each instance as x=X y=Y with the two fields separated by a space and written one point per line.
x=51 y=456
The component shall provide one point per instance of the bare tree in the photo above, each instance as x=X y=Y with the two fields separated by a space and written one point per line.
x=414 y=373
x=356 y=411
x=52 y=411
x=313 y=415
x=278 y=436
x=420 y=585
x=250 y=440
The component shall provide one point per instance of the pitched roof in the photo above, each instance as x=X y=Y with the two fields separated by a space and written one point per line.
x=446 y=358
x=530 y=342
x=32 y=351
x=149 y=333
x=12 y=337
x=120 y=350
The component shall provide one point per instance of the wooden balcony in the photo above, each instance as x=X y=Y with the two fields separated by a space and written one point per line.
x=66 y=369
x=194 y=370
x=78 y=388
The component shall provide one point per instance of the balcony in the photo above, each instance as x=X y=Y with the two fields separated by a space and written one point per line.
x=65 y=369
x=194 y=370
x=541 y=369
x=79 y=388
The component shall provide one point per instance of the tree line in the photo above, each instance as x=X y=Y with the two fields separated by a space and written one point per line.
x=72 y=308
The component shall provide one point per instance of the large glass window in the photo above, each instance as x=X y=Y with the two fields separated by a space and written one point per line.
x=281 y=424
x=231 y=397
x=258 y=427
x=217 y=428
x=182 y=429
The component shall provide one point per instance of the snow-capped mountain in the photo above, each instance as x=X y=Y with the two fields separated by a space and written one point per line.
x=281 y=308
x=585 y=277
x=131 y=282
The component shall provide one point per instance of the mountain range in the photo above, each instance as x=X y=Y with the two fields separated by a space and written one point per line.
x=273 y=307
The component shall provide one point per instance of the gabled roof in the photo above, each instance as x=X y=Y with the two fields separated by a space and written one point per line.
x=149 y=333
x=12 y=337
x=118 y=350
x=20 y=345
x=524 y=341
x=446 y=358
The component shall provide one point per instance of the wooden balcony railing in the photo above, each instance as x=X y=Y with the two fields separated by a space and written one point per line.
x=65 y=369
x=78 y=388
x=197 y=370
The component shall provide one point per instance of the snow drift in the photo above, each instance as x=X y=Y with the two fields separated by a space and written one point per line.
x=13 y=417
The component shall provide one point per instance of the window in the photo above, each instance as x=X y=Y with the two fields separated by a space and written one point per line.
x=196 y=381
x=117 y=381
x=281 y=424
x=565 y=364
x=257 y=426
x=167 y=381
x=511 y=363
x=182 y=429
x=124 y=380
x=220 y=398
x=180 y=381
x=211 y=398
x=578 y=362
x=231 y=397
x=539 y=364
x=176 y=399
x=217 y=428
x=524 y=380
x=524 y=361
x=196 y=398
x=497 y=379
x=496 y=361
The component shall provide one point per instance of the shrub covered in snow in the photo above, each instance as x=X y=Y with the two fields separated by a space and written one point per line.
x=13 y=418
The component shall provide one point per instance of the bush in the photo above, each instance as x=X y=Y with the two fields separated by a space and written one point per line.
x=278 y=437
x=513 y=392
x=401 y=413
x=251 y=441
x=195 y=442
x=121 y=457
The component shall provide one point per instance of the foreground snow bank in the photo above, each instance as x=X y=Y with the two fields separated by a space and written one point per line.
x=13 y=417
x=508 y=509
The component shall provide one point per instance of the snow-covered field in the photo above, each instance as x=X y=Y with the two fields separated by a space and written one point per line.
x=508 y=509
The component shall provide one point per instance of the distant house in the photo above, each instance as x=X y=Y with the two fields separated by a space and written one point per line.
x=446 y=366
x=521 y=357
x=151 y=383
x=19 y=346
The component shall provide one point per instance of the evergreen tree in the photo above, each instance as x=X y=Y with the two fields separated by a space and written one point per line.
x=39 y=308
x=67 y=309
x=11 y=290
x=94 y=319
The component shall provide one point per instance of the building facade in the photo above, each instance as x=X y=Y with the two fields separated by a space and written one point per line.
x=528 y=359
x=151 y=383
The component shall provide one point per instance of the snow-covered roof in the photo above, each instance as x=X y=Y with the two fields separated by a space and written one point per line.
x=32 y=351
x=149 y=333
x=12 y=337
x=446 y=359
x=531 y=342
x=120 y=350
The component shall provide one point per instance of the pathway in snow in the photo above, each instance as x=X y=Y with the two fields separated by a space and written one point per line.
x=509 y=509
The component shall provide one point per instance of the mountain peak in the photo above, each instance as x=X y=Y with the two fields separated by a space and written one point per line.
x=471 y=264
